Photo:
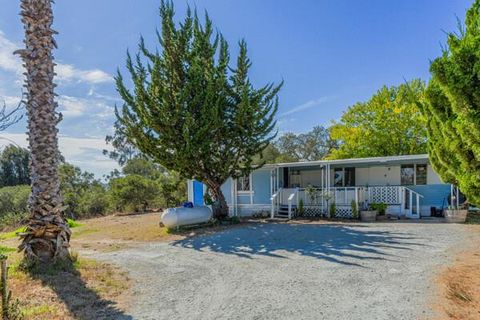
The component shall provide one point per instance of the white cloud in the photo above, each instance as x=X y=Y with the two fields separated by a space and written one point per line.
x=9 y=61
x=304 y=106
x=71 y=106
x=68 y=73
x=65 y=72
x=83 y=152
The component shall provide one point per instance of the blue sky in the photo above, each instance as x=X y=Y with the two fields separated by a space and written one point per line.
x=330 y=53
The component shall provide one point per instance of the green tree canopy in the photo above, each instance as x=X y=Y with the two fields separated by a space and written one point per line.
x=14 y=162
x=290 y=147
x=452 y=108
x=192 y=112
x=388 y=124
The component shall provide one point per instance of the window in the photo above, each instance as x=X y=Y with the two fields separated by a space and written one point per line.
x=243 y=184
x=349 y=177
x=421 y=176
x=344 y=177
x=407 y=174
x=413 y=174
x=338 y=177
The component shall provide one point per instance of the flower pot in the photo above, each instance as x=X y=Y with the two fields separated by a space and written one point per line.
x=455 y=216
x=382 y=217
x=368 y=216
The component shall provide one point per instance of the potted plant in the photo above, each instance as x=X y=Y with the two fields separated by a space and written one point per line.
x=453 y=215
x=367 y=214
x=381 y=208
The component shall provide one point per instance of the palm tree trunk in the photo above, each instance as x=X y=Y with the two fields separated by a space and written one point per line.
x=47 y=236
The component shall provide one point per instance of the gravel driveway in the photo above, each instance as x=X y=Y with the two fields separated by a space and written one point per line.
x=290 y=271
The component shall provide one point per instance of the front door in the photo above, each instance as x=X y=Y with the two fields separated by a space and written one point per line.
x=197 y=193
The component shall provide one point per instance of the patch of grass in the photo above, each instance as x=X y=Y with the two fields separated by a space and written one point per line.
x=37 y=311
x=473 y=218
x=4 y=250
x=84 y=231
x=73 y=224
x=12 y=234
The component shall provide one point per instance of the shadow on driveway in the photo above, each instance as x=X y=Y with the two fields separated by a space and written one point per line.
x=346 y=245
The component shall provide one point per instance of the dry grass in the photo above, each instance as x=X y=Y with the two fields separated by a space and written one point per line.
x=93 y=290
x=459 y=284
x=88 y=290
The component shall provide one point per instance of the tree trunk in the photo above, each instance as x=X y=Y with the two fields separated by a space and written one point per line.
x=220 y=207
x=47 y=236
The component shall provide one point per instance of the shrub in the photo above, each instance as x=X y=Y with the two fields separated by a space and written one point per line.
x=73 y=224
x=14 y=199
x=301 y=208
x=93 y=201
x=13 y=205
x=353 y=204
x=380 y=207
x=133 y=192
x=333 y=209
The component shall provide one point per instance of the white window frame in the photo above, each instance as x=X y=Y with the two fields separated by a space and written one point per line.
x=250 y=185
x=415 y=174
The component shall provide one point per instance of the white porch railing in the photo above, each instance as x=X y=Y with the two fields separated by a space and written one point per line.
x=399 y=199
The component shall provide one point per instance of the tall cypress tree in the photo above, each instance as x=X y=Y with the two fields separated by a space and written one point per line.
x=190 y=111
x=452 y=108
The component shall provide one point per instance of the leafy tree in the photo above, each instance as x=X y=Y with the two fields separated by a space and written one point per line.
x=133 y=192
x=173 y=189
x=48 y=235
x=123 y=150
x=313 y=145
x=452 y=108
x=73 y=184
x=193 y=113
x=290 y=147
x=143 y=167
x=388 y=124
x=14 y=166
x=94 y=201
x=270 y=154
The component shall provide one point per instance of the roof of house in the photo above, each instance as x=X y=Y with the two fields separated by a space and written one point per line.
x=414 y=158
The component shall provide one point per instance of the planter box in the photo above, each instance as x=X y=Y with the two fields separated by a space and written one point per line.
x=455 y=216
x=368 y=216
x=382 y=217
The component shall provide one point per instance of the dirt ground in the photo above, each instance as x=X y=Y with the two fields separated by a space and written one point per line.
x=458 y=284
x=94 y=289
x=109 y=289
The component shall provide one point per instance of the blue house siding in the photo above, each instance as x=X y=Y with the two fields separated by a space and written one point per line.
x=227 y=190
x=434 y=195
x=261 y=186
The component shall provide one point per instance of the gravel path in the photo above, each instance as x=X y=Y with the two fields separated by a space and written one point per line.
x=290 y=271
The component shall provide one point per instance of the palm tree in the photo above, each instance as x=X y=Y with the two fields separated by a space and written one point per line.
x=47 y=235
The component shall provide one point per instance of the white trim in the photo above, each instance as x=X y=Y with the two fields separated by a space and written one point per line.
x=190 y=190
x=251 y=187
x=372 y=160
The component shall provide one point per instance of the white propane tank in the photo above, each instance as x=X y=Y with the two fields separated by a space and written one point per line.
x=176 y=217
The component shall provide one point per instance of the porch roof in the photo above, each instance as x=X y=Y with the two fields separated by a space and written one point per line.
x=405 y=159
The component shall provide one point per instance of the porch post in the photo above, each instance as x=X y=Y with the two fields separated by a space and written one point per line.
x=410 y=202
x=356 y=198
x=418 y=205
x=457 y=197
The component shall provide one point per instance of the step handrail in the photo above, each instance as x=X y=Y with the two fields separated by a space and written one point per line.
x=274 y=199
x=290 y=200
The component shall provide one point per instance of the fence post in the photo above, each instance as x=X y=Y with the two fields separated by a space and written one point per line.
x=3 y=262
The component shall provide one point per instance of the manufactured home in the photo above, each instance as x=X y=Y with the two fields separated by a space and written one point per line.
x=407 y=185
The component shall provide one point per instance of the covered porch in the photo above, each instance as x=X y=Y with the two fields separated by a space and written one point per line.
x=346 y=186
